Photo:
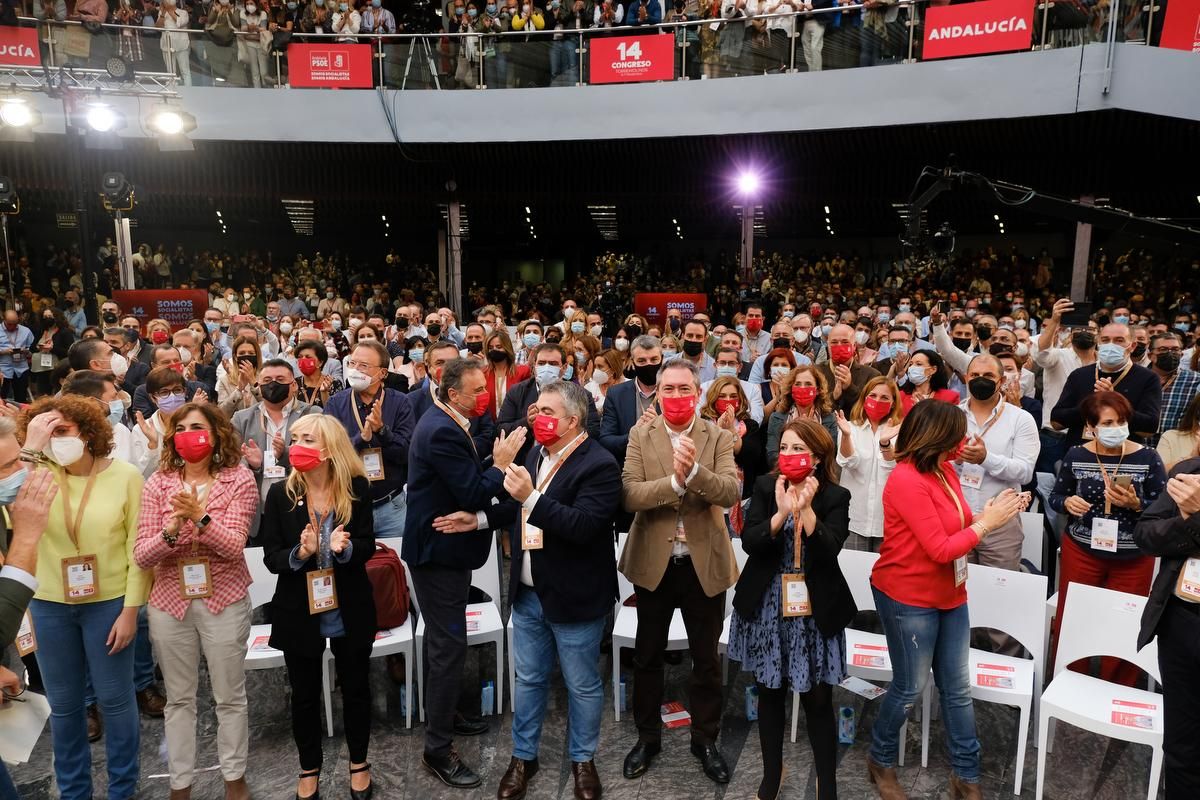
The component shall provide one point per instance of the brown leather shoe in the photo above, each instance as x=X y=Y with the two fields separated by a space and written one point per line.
x=587 y=782
x=885 y=781
x=181 y=794
x=151 y=701
x=516 y=780
x=237 y=790
x=95 y=724
x=961 y=790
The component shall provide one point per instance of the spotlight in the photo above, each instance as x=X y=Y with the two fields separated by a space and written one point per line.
x=15 y=112
x=119 y=68
x=942 y=242
x=747 y=183
x=101 y=118
x=168 y=119
x=9 y=202
x=117 y=192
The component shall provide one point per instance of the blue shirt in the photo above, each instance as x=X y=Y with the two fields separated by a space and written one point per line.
x=77 y=319
x=393 y=439
x=12 y=364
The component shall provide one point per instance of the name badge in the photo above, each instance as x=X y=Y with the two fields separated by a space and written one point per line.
x=17 y=355
x=322 y=591
x=796 y=602
x=532 y=537
x=195 y=580
x=1104 y=534
x=971 y=476
x=1187 y=587
x=79 y=578
x=373 y=463
x=960 y=571
x=45 y=360
x=271 y=468
x=26 y=640
x=680 y=533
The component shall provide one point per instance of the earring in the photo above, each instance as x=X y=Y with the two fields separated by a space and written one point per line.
x=216 y=458
x=177 y=462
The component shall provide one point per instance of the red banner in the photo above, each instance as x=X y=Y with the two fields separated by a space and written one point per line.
x=632 y=59
x=333 y=64
x=1181 y=31
x=655 y=305
x=985 y=26
x=19 y=47
x=176 y=306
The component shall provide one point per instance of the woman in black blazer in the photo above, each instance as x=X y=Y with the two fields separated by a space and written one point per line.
x=791 y=603
x=318 y=533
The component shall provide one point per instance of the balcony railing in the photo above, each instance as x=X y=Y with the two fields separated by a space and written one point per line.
x=719 y=45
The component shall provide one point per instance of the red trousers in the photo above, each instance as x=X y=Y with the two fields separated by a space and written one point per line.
x=1130 y=575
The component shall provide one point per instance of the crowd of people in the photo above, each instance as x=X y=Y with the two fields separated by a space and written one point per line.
x=815 y=404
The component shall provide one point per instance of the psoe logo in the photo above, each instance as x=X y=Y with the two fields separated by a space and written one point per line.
x=329 y=59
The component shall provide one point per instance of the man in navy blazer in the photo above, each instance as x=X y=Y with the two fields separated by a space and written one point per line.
x=437 y=355
x=447 y=534
x=632 y=401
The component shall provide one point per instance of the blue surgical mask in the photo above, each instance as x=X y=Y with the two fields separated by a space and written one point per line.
x=916 y=375
x=343 y=7
x=1182 y=327
x=11 y=485
x=459 y=12
x=320 y=3
x=531 y=339
x=1121 y=319
x=779 y=373
x=116 y=412
x=789 y=314
x=547 y=373
x=1111 y=355
x=491 y=8
x=1114 y=436
x=570 y=373
x=291 y=6
x=896 y=348
x=212 y=327
x=472 y=13
x=905 y=308
x=883 y=317
x=577 y=328
x=416 y=355
x=669 y=353
x=727 y=372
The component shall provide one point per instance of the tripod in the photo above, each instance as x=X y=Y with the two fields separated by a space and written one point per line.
x=429 y=62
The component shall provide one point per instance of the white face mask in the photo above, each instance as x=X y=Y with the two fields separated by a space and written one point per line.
x=621 y=344
x=358 y=381
x=285 y=328
x=355 y=322
x=185 y=355
x=119 y=365
x=66 y=450
x=600 y=377
x=861 y=337
x=596 y=330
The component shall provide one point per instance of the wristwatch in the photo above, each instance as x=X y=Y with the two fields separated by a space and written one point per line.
x=204 y=521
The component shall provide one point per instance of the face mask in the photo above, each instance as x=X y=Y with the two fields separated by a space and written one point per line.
x=109 y=318
x=343 y=7
x=647 y=374
x=1109 y=437
x=459 y=11
x=904 y=308
x=355 y=322
x=358 y=381
x=897 y=348
x=416 y=355
x=984 y=332
x=970 y=312
x=668 y=354
x=1020 y=324
x=272 y=317
x=285 y=328
x=780 y=343
x=491 y=8
x=982 y=388
x=796 y=467
x=779 y=373
x=545 y=429
x=596 y=330
x=876 y=410
x=11 y=485
x=66 y=450
x=1139 y=350
x=185 y=357
x=916 y=375
x=826 y=330
x=724 y=403
x=1022 y=350
x=481 y=405
x=193 y=446
x=547 y=374
x=336 y=324
x=304 y=458
x=118 y=365
x=962 y=344
x=116 y=411
x=307 y=365
x=678 y=410
x=1121 y=319
x=275 y=392
x=727 y=372
x=1083 y=340
x=804 y=396
x=577 y=328
x=376 y=3
x=159 y=337
x=1167 y=362
x=1111 y=355
x=800 y=336
x=1182 y=327
x=171 y=402
x=600 y=377
x=789 y=314
x=531 y=340
x=883 y=316
x=841 y=353
x=621 y=344
x=212 y=327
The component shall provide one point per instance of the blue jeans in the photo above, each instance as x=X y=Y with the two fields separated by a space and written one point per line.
x=535 y=642
x=143 y=660
x=8 y=790
x=71 y=643
x=920 y=639
x=389 y=517
x=564 y=60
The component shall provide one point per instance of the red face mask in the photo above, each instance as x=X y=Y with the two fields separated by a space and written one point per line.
x=724 y=403
x=308 y=365
x=804 y=396
x=304 y=458
x=159 y=337
x=177 y=366
x=678 y=410
x=193 y=446
x=841 y=353
x=876 y=409
x=958 y=451
x=545 y=429
x=795 y=466
x=481 y=405
x=753 y=325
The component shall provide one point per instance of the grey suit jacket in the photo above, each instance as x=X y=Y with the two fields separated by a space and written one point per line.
x=249 y=424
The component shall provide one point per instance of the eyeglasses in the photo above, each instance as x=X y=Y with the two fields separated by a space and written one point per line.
x=360 y=365
x=280 y=381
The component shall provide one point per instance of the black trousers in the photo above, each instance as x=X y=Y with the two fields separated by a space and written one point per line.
x=703 y=616
x=352 y=665
x=16 y=388
x=442 y=593
x=1179 y=660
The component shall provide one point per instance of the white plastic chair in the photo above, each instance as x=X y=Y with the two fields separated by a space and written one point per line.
x=1011 y=602
x=1101 y=622
x=490 y=627
x=741 y=557
x=625 y=628
x=1034 y=532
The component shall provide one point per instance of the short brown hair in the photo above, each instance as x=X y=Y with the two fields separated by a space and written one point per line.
x=929 y=432
x=820 y=443
x=83 y=411
x=227 y=446
x=709 y=409
x=1095 y=403
x=161 y=378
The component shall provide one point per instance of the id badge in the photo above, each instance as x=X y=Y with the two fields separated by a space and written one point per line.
x=532 y=537
x=322 y=591
x=373 y=463
x=26 y=639
x=960 y=571
x=45 y=360
x=17 y=355
x=796 y=602
x=680 y=533
x=1188 y=586
x=79 y=578
x=1104 y=534
x=971 y=476
x=195 y=579
x=270 y=468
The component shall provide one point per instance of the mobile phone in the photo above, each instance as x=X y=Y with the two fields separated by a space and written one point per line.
x=242 y=318
x=1123 y=480
x=1078 y=316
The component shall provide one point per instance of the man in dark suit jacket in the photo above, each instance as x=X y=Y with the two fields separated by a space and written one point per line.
x=447 y=534
x=1170 y=528
x=631 y=401
x=421 y=398
x=520 y=404
x=564 y=583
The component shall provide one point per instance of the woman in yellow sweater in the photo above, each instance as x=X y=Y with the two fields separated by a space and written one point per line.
x=89 y=591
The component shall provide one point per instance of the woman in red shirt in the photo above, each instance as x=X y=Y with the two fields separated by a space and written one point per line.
x=926 y=378
x=920 y=593
x=502 y=371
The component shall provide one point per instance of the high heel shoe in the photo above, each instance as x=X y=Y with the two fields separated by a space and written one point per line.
x=961 y=790
x=362 y=794
x=309 y=773
x=779 y=791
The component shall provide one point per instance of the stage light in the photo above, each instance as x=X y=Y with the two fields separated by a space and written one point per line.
x=169 y=120
x=101 y=118
x=15 y=112
x=747 y=183
x=116 y=191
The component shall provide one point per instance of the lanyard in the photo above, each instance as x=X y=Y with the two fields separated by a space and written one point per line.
x=797 y=542
x=1120 y=377
x=466 y=427
x=983 y=431
x=323 y=543
x=1108 y=480
x=962 y=517
x=571 y=448
x=73 y=522
x=310 y=397
x=354 y=408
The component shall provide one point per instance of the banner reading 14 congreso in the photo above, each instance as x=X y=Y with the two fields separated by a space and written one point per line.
x=633 y=58
x=987 y=26
x=655 y=305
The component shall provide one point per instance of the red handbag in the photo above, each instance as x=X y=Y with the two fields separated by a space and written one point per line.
x=389 y=587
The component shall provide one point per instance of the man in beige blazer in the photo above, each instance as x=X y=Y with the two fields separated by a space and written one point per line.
x=679 y=477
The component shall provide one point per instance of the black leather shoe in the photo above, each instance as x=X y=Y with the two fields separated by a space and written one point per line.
x=639 y=758
x=451 y=771
x=465 y=726
x=712 y=761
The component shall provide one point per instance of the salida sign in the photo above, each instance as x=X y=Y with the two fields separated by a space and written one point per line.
x=345 y=66
x=988 y=26
x=636 y=58
x=19 y=47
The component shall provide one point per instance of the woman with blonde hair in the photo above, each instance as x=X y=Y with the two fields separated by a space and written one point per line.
x=670 y=346
x=608 y=370
x=803 y=394
x=574 y=328
x=196 y=514
x=158 y=331
x=318 y=533
x=867 y=454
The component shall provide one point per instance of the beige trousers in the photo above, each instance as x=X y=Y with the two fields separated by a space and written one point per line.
x=178 y=644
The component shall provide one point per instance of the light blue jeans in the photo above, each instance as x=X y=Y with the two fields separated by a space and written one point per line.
x=71 y=644
x=920 y=639
x=143 y=659
x=390 y=516
x=535 y=642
